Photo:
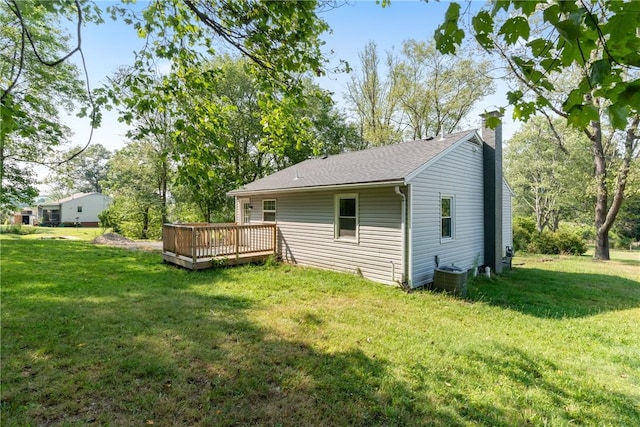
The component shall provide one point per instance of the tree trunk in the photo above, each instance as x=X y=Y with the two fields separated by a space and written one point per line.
x=145 y=223
x=602 y=244
x=600 y=174
x=606 y=216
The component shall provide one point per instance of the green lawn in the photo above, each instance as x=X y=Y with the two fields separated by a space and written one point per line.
x=108 y=336
x=72 y=233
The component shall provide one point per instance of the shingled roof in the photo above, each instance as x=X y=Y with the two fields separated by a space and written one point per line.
x=67 y=199
x=376 y=165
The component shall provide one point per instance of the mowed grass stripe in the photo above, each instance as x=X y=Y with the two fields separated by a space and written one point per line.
x=112 y=336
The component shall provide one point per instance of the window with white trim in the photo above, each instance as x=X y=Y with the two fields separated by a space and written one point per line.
x=269 y=210
x=79 y=210
x=446 y=217
x=346 y=220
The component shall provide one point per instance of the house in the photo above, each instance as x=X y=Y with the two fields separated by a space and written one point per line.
x=79 y=209
x=392 y=213
x=25 y=216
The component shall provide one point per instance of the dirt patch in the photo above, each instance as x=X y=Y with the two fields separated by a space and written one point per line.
x=113 y=239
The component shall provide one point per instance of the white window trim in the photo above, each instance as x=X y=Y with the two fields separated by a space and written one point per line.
x=275 y=215
x=453 y=217
x=336 y=218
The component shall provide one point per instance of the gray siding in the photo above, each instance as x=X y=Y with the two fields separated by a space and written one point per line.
x=306 y=231
x=458 y=173
x=507 y=217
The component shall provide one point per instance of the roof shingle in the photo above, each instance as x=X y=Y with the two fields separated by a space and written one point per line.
x=380 y=164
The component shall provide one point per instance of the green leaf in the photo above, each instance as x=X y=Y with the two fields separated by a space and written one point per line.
x=523 y=110
x=618 y=115
x=540 y=47
x=568 y=30
x=526 y=6
x=551 y=14
x=631 y=95
x=500 y=4
x=515 y=28
x=483 y=25
x=576 y=97
x=600 y=70
x=449 y=35
x=579 y=116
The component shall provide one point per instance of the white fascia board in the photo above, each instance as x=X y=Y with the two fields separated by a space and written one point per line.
x=239 y=193
x=463 y=139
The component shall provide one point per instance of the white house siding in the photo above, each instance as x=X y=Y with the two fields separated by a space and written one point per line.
x=92 y=205
x=507 y=217
x=458 y=173
x=306 y=231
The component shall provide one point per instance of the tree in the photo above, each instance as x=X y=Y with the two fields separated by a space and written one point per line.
x=281 y=41
x=36 y=83
x=375 y=99
x=599 y=38
x=134 y=182
x=549 y=182
x=83 y=173
x=423 y=94
x=438 y=91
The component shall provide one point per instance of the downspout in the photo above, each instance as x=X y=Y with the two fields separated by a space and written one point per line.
x=403 y=228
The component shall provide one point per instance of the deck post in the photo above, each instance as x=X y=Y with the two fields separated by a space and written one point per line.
x=237 y=241
x=275 y=239
x=175 y=241
x=194 y=247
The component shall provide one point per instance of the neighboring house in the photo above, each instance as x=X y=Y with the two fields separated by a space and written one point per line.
x=80 y=209
x=25 y=216
x=392 y=213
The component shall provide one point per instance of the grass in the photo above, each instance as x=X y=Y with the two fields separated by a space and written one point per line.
x=30 y=232
x=99 y=335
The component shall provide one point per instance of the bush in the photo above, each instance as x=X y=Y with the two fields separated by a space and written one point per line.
x=569 y=239
x=558 y=242
x=586 y=232
x=619 y=241
x=17 y=229
x=570 y=243
x=523 y=229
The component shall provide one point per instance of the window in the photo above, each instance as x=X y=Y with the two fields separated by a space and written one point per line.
x=446 y=217
x=346 y=222
x=79 y=209
x=269 y=210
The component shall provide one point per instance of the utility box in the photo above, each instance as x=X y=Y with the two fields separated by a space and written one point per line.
x=451 y=279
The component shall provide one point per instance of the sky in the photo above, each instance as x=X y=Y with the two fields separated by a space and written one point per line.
x=112 y=44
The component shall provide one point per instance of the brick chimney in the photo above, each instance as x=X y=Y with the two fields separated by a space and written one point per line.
x=492 y=163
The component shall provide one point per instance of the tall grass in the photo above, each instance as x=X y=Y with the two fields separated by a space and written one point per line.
x=107 y=336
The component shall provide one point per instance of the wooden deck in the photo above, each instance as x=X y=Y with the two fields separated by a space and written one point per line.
x=199 y=246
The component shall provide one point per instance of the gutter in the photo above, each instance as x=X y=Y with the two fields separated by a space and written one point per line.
x=236 y=193
x=403 y=282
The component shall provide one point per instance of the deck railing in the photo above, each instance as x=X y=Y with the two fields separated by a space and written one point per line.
x=207 y=241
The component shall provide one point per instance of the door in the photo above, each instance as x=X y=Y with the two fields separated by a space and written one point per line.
x=245 y=211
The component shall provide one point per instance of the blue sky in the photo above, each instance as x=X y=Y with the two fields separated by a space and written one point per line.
x=112 y=44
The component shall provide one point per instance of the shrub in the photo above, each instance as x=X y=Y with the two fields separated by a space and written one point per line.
x=619 y=241
x=586 y=232
x=543 y=243
x=559 y=242
x=17 y=229
x=570 y=243
x=523 y=228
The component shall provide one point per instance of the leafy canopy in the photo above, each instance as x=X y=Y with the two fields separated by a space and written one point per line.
x=599 y=36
